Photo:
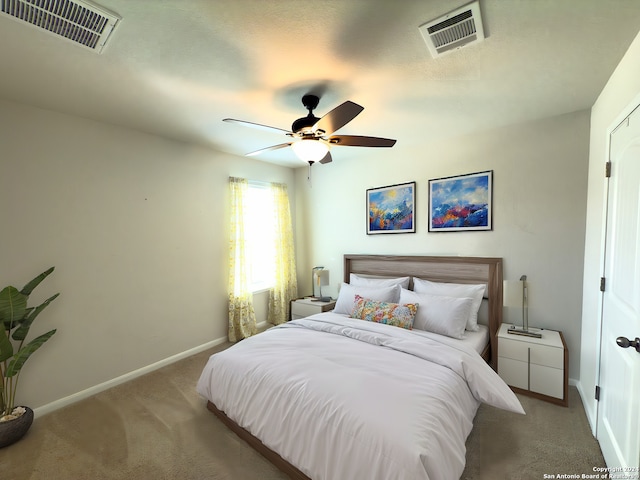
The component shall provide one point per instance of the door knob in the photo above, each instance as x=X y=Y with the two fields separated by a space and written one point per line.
x=624 y=342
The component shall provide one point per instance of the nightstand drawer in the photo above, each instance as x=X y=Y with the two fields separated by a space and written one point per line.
x=547 y=381
x=513 y=349
x=540 y=354
x=547 y=356
x=304 y=307
x=514 y=372
x=304 y=310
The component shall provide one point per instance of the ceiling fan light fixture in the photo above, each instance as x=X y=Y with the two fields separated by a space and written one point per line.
x=310 y=150
x=311 y=137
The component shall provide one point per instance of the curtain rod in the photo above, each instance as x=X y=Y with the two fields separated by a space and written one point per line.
x=260 y=183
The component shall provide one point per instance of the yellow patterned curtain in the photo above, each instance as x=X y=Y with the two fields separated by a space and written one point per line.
x=242 y=318
x=286 y=285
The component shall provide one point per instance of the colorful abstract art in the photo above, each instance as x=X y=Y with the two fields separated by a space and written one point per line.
x=461 y=203
x=391 y=209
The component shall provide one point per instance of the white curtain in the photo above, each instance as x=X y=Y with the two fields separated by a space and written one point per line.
x=242 y=318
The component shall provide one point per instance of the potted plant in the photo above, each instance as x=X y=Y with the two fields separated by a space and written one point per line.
x=16 y=318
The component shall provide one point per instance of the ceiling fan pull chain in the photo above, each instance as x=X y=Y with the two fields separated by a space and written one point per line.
x=309 y=174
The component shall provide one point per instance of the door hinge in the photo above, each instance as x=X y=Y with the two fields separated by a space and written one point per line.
x=597 y=393
x=607 y=169
x=603 y=281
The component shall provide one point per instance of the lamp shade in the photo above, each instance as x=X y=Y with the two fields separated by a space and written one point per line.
x=310 y=150
x=321 y=278
x=516 y=293
x=512 y=293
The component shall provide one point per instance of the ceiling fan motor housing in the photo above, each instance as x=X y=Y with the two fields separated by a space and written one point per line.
x=304 y=123
x=310 y=102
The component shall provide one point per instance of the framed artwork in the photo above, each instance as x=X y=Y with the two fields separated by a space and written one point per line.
x=461 y=203
x=391 y=209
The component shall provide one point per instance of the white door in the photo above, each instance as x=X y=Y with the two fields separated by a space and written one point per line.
x=618 y=428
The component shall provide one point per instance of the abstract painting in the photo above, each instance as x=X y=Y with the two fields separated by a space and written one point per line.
x=391 y=209
x=461 y=203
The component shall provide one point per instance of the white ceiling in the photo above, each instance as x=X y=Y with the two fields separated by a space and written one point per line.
x=176 y=68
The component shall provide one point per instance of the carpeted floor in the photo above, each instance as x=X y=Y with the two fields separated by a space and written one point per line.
x=157 y=427
x=550 y=440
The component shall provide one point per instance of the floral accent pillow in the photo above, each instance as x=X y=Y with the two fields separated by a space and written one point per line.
x=394 y=314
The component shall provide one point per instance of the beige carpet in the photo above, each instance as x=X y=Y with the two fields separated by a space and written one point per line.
x=549 y=440
x=157 y=427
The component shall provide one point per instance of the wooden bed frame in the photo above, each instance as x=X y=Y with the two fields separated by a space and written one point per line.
x=471 y=270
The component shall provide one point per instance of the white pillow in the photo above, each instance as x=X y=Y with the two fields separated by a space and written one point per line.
x=439 y=313
x=460 y=290
x=355 y=279
x=347 y=296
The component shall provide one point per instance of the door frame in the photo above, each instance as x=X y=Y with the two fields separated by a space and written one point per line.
x=631 y=107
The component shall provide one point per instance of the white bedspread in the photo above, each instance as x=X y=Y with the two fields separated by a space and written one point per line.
x=345 y=399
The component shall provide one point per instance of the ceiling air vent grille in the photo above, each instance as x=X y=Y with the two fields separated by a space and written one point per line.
x=455 y=30
x=78 y=21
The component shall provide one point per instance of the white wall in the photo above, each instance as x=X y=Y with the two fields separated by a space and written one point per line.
x=617 y=99
x=540 y=185
x=135 y=226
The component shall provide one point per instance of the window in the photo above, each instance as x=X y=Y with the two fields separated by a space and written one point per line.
x=260 y=235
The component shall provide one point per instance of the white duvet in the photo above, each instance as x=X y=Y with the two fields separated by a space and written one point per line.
x=345 y=399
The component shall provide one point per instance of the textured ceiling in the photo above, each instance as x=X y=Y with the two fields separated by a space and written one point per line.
x=176 y=68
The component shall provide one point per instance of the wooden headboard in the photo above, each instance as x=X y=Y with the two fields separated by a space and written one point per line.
x=473 y=270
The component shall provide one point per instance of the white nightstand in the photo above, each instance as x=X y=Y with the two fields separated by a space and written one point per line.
x=303 y=307
x=535 y=366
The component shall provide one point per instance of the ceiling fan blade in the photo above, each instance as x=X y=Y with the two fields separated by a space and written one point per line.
x=327 y=158
x=338 y=117
x=268 y=149
x=257 y=125
x=360 y=141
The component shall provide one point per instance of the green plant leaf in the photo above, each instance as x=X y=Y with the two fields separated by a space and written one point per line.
x=13 y=305
x=2 y=403
x=6 y=349
x=25 y=352
x=28 y=288
x=23 y=330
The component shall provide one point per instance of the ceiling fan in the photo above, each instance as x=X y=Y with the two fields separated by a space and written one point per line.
x=312 y=136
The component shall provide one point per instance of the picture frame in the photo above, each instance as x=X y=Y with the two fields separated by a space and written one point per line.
x=461 y=203
x=391 y=209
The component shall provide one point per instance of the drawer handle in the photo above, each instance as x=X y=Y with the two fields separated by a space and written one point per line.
x=624 y=342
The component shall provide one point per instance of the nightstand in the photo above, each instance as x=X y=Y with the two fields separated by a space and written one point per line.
x=303 y=307
x=535 y=366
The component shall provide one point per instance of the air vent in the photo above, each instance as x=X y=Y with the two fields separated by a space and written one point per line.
x=79 y=21
x=454 y=30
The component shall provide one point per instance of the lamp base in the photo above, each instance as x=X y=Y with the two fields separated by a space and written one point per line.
x=523 y=332
x=321 y=299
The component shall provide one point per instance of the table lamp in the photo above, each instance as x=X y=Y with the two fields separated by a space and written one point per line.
x=320 y=278
x=516 y=294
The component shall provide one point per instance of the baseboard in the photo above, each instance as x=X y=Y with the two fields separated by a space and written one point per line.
x=76 y=397
x=588 y=403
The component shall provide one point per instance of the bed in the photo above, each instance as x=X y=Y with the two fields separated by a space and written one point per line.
x=333 y=397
